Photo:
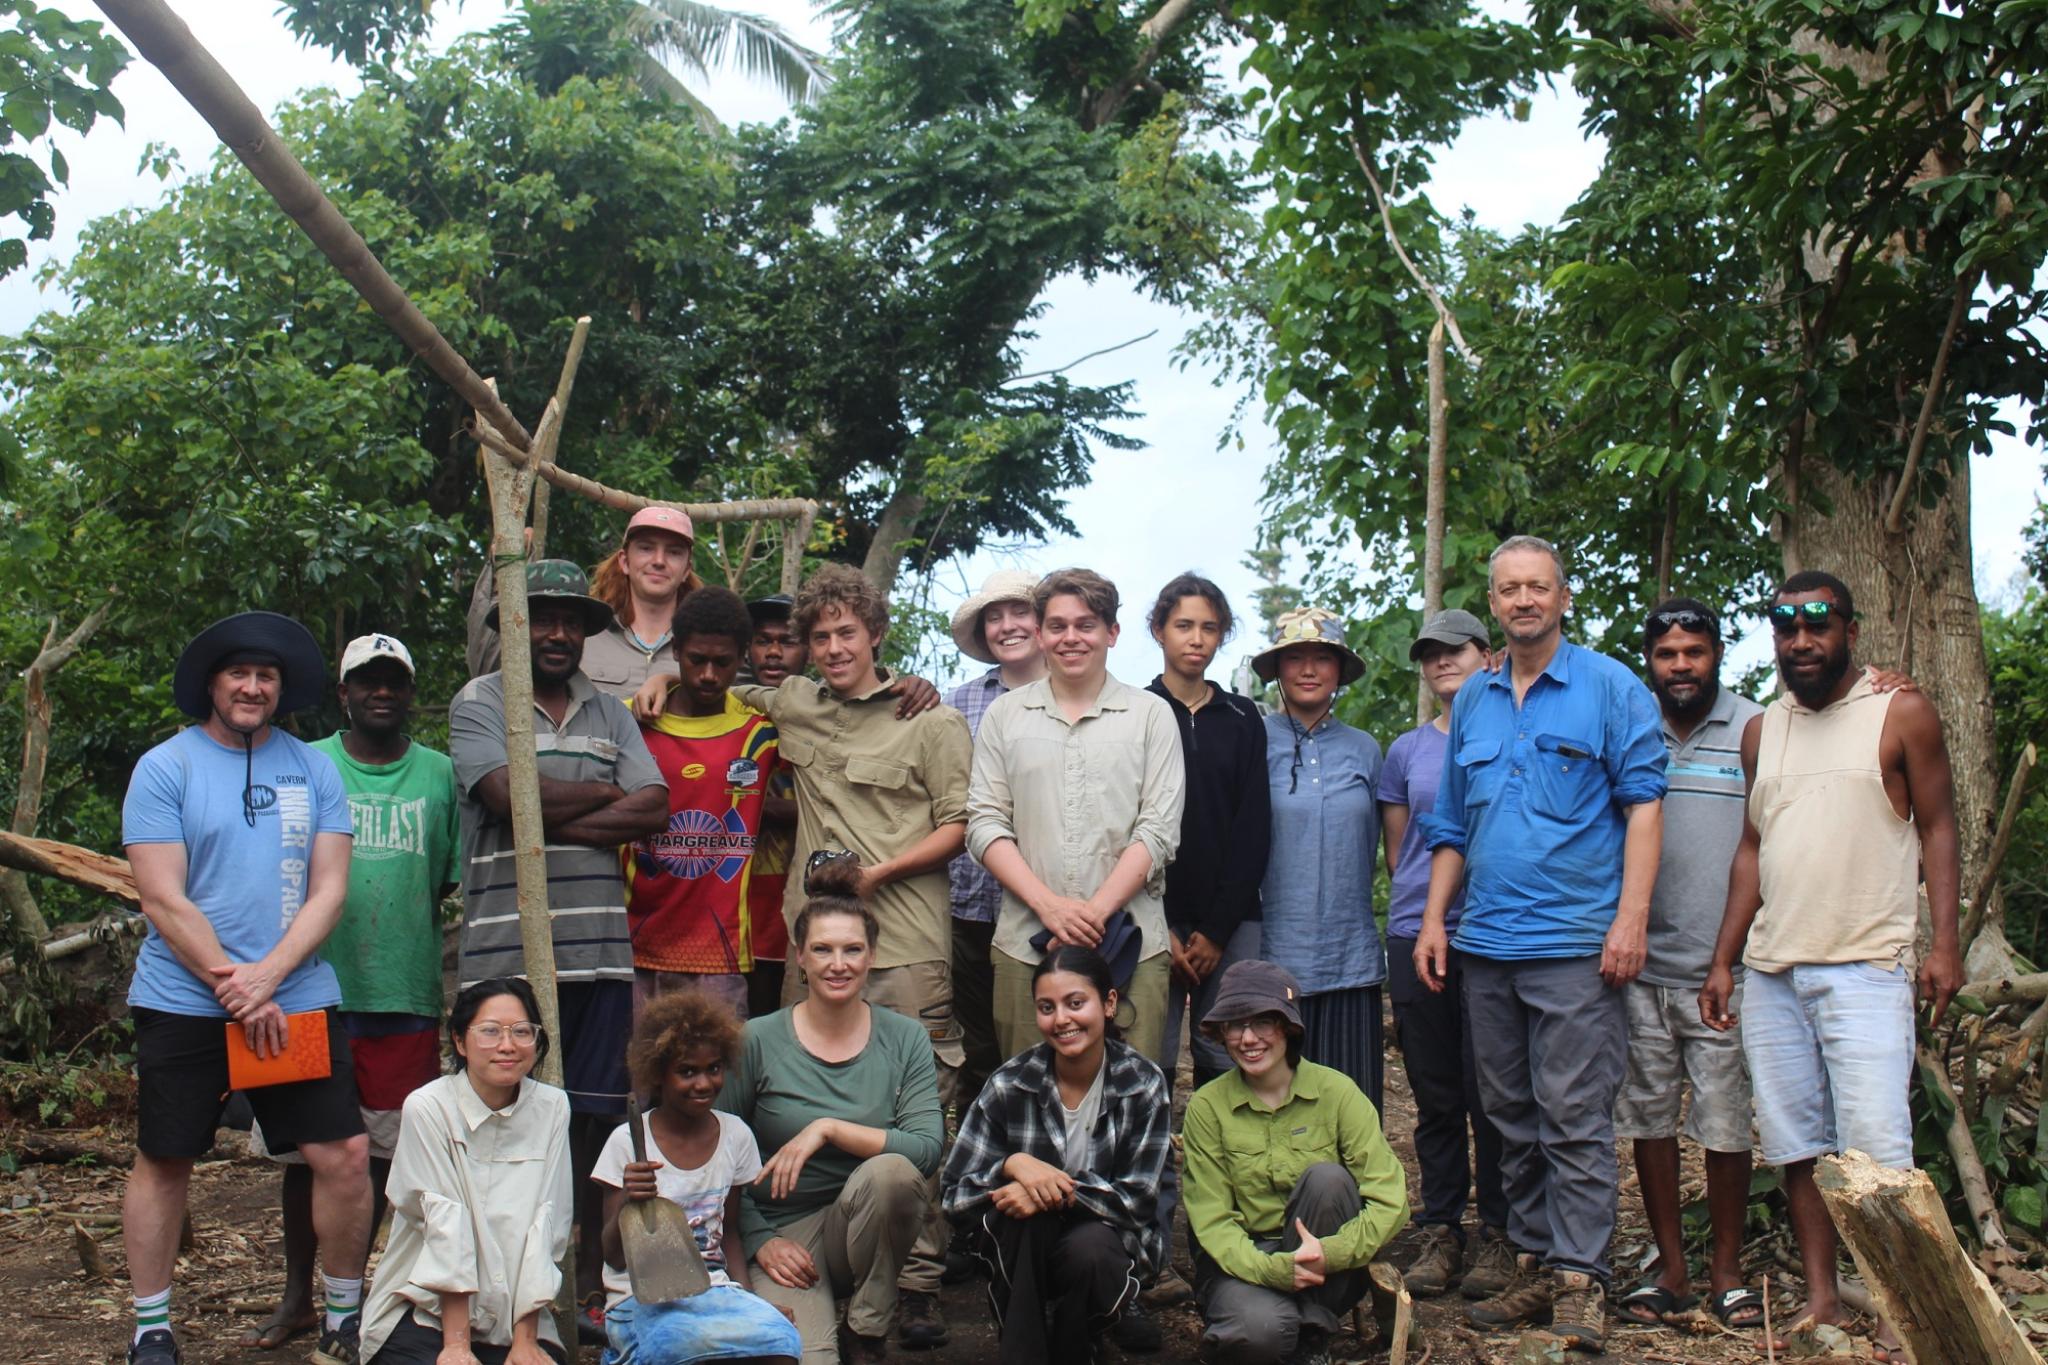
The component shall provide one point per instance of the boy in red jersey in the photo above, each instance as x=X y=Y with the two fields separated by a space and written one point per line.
x=688 y=902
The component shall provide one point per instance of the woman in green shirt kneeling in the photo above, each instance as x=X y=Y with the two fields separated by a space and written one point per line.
x=846 y=1096
x=1290 y=1185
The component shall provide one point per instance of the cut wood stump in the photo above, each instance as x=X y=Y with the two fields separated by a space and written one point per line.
x=1944 y=1310
x=1395 y=1313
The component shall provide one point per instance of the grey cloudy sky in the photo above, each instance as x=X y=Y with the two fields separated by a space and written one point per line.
x=1180 y=503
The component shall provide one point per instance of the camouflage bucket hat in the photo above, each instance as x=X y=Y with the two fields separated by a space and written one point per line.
x=1309 y=626
x=564 y=581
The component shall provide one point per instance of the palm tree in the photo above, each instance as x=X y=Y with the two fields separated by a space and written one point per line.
x=701 y=38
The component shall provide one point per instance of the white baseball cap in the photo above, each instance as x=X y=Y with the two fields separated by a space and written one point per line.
x=367 y=648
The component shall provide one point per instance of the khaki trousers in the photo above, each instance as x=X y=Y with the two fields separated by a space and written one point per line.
x=1141 y=1014
x=922 y=991
x=859 y=1244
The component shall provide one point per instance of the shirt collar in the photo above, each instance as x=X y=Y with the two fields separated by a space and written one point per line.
x=993 y=678
x=472 y=1107
x=1308 y=1085
x=1157 y=687
x=1114 y=696
x=1558 y=670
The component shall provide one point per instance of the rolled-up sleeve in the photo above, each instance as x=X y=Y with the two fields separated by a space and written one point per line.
x=991 y=810
x=425 y=1186
x=948 y=765
x=536 y=1273
x=1163 y=793
x=1636 y=754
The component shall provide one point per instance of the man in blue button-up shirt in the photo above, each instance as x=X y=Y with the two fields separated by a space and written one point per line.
x=1550 y=816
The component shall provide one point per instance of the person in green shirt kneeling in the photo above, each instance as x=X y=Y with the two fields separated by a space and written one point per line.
x=1290 y=1185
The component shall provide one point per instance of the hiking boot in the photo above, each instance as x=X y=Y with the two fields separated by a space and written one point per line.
x=855 y=1349
x=1436 y=1265
x=960 y=1265
x=157 y=1347
x=919 y=1324
x=1310 y=1348
x=341 y=1345
x=1578 y=1314
x=1489 y=1264
x=1137 y=1330
x=1523 y=1302
x=1166 y=1291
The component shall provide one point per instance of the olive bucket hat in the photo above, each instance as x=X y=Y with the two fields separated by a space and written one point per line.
x=1309 y=626
x=563 y=581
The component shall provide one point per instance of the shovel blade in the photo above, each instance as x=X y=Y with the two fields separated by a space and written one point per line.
x=662 y=1259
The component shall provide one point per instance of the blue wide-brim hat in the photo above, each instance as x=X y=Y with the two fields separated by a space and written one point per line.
x=298 y=654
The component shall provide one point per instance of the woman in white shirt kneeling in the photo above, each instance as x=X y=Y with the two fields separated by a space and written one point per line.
x=480 y=1200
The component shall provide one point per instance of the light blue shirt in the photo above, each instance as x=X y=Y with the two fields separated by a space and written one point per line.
x=1534 y=796
x=249 y=881
x=1317 y=895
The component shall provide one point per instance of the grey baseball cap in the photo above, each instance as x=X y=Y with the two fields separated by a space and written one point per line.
x=1453 y=628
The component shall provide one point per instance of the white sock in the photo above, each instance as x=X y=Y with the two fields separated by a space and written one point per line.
x=344 y=1299
x=152 y=1312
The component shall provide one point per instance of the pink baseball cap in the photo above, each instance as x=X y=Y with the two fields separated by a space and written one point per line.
x=669 y=519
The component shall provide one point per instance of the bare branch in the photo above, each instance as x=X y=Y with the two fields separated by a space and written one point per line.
x=1394 y=239
x=1965 y=288
x=1073 y=364
x=1155 y=31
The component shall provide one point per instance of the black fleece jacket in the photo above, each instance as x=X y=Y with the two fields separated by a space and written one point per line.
x=1212 y=884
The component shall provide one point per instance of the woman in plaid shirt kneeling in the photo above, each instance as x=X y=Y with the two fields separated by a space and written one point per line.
x=1055 y=1175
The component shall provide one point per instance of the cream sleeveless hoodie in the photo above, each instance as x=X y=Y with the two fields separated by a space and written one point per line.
x=1840 y=869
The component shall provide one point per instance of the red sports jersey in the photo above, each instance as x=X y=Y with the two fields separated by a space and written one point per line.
x=687 y=900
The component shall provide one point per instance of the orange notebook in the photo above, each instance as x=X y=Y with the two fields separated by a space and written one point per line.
x=305 y=1056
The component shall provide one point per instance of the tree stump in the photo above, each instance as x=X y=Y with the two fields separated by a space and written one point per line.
x=1944 y=1310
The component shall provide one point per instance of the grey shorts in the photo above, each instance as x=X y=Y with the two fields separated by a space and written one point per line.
x=1667 y=1046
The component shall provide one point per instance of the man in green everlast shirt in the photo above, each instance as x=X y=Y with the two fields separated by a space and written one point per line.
x=1290 y=1187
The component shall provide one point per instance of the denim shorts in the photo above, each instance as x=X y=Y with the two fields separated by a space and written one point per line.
x=1668 y=1046
x=1830 y=1049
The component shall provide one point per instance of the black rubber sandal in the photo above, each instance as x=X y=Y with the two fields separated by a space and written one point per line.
x=1742 y=1299
x=1654 y=1299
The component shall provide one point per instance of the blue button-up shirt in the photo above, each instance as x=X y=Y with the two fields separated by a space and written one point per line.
x=977 y=895
x=1317 y=895
x=1535 y=796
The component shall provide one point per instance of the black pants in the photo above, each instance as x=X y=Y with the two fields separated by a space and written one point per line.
x=1056 y=1282
x=1436 y=1050
x=974 y=995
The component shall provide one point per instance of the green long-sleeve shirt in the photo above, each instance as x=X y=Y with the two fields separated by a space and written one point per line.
x=777 y=1088
x=1243 y=1160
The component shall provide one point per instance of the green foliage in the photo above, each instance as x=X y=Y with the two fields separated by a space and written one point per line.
x=53 y=69
x=358 y=31
x=2015 y=643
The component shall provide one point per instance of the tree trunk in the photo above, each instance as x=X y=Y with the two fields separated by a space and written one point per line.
x=892 y=531
x=1916 y=608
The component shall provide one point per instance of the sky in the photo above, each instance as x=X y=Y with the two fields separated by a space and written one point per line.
x=1179 y=503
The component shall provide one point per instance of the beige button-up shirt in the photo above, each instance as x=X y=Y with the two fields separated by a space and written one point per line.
x=874 y=784
x=480 y=1205
x=1075 y=795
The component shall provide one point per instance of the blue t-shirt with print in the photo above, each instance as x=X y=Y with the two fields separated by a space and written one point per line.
x=249 y=881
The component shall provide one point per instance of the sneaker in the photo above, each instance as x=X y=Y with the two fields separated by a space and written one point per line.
x=1489 y=1264
x=919 y=1324
x=1578 y=1315
x=341 y=1345
x=1137 y=1330
x=855 y=1349
x=1166 y=1291
x=1525 y=1302
x=157 y=1347
x=1436 y=1265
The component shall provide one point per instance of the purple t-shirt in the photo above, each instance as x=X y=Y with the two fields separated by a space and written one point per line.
x=1409 y=777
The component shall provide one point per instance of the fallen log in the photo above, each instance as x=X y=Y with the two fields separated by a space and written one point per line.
x=99 y=872
x=1943 y=1308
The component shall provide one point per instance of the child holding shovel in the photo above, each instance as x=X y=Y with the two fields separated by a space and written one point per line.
x=698 y=1159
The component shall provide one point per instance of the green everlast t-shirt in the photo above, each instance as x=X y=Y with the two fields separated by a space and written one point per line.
x=387 y=947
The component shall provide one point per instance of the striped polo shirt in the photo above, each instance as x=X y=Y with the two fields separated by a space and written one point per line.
x=1702 y=826
x=597 y=741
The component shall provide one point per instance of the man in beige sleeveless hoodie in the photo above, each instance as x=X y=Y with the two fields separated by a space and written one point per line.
x=1850 y=807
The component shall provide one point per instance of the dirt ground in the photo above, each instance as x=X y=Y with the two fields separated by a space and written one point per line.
x=56 y=1216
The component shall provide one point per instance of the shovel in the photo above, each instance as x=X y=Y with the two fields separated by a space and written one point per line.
x=662 y=1259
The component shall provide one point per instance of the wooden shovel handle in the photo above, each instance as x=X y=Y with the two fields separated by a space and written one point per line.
x=639 y=1154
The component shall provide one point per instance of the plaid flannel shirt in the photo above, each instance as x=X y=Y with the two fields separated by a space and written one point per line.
x=1019 y=1111
x=977 y=895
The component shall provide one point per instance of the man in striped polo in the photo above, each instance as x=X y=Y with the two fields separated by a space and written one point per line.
x=599 y=789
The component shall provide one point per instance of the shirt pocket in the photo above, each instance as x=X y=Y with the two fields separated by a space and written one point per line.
x=796 y=750
x=1566 y=780
x=1479 y=759
x=884 y=784
x=607 y=676
x=1305 y=1146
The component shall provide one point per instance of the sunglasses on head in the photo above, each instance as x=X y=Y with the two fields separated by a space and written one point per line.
x=1682 y=618
x=823 y=856
x=1786 y=617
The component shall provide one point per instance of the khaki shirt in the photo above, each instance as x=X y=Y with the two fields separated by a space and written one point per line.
x=1075 y=796
x=874 y=784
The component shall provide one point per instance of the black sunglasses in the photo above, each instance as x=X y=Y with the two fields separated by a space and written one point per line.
x=1683 y=618
x=1786 y=617
x=822 y=856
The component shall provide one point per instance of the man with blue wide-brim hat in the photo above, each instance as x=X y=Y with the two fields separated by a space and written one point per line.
x=239 y=837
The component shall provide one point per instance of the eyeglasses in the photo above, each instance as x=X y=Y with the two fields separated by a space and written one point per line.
x=1684 y=618
x=1265 y=1026
x=1787 y=617
x=825 y=855
x=490 y=1035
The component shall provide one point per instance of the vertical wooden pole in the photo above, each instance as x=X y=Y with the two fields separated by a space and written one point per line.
x=1433 y=504
x=545 y=450
x=795 y=536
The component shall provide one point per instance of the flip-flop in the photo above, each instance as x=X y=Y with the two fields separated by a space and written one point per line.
x=275 y=1330
x=1727 y=1304
x=1655 y=1300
